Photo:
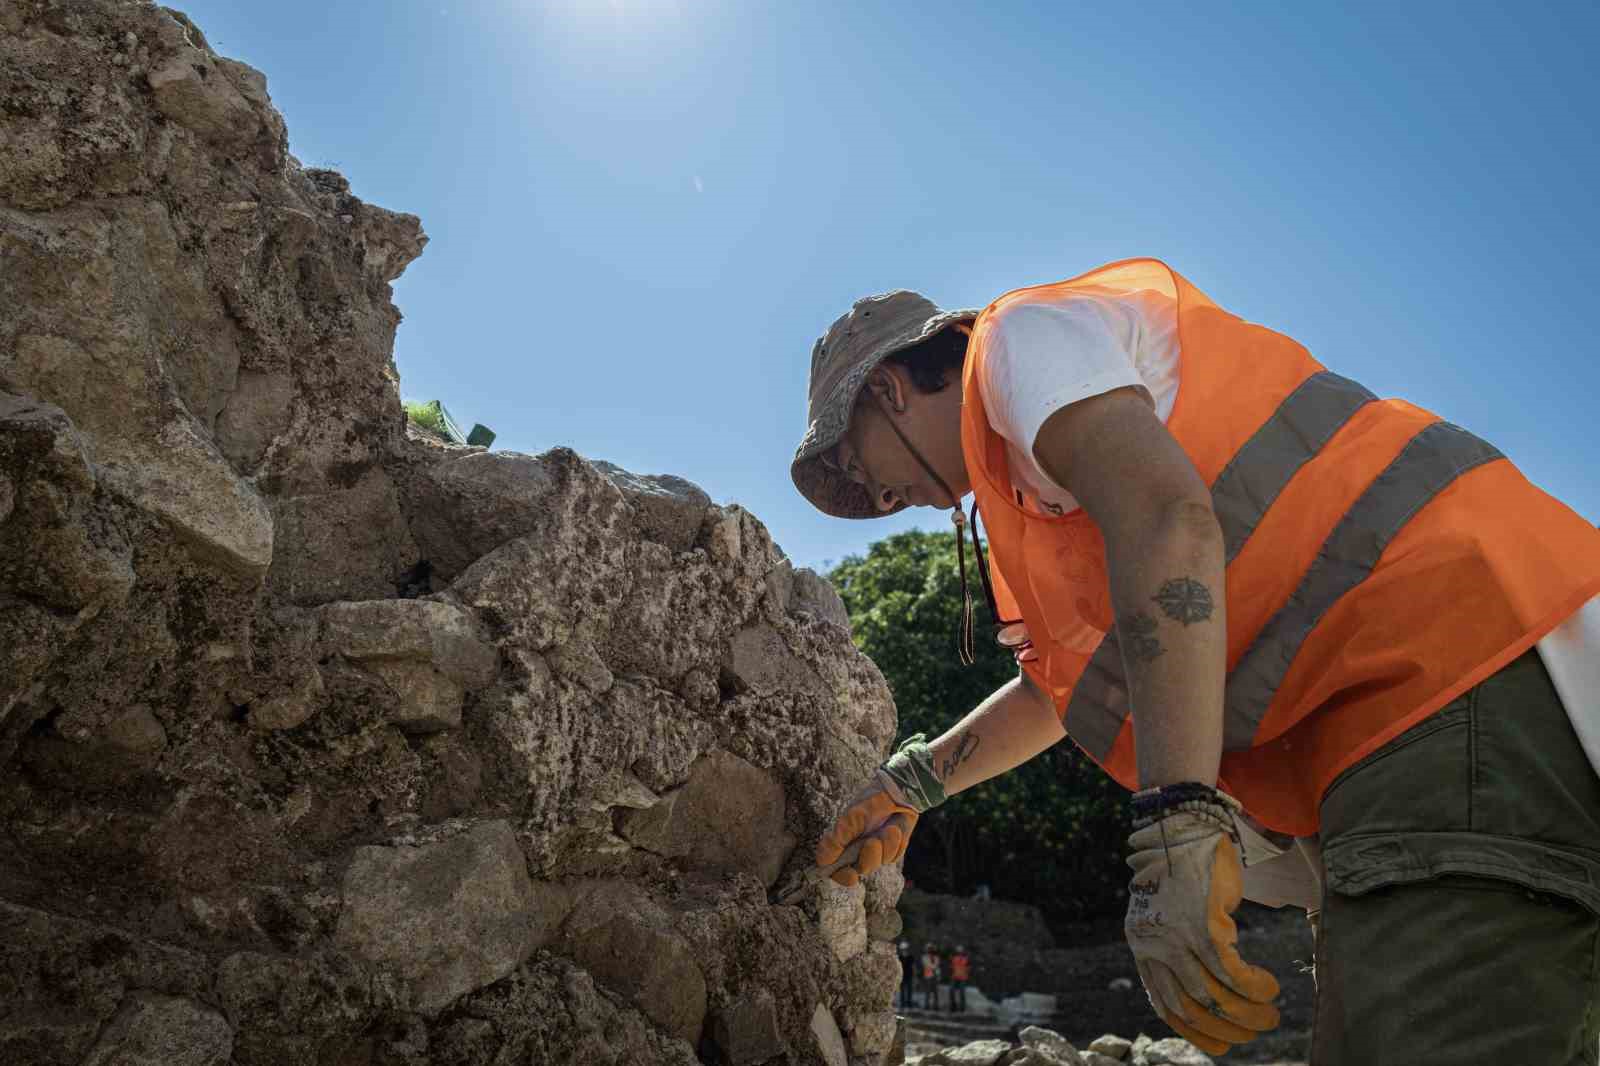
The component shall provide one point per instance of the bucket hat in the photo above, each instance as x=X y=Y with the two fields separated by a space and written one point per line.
x=871 y=331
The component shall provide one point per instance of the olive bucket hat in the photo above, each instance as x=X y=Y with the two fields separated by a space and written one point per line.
x=871 y=331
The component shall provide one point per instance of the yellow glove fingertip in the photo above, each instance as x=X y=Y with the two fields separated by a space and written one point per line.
x=1209 y=1044
x=846 y=876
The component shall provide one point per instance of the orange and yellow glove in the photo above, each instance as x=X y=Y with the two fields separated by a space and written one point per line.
x=883 y=813
x=1187 y=882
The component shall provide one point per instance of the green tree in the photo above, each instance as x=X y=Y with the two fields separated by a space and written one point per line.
x=1050 y=832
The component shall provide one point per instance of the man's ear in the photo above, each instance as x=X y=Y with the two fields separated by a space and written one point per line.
x=885 y=383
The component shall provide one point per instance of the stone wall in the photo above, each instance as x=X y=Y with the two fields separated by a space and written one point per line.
x=325 y=743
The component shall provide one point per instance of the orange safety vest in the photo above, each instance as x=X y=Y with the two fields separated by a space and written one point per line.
x=960 y=968
x=1380 y=561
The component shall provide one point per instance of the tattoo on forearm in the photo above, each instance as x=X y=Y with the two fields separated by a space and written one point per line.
x=964 y=749
x=1185 y=600
x=1139 y=637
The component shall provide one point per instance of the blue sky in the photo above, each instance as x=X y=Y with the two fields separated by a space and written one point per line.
x=643 y=212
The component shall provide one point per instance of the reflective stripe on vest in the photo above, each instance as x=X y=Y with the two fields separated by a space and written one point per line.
x=1241 y=496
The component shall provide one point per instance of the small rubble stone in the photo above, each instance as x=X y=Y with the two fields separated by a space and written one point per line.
x=1112 y=1046
x=977 y=1053
x=1174 y=1051
x=1052 y=1044
x=1094 y=1058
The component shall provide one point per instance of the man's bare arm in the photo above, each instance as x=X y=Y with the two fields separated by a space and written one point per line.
x=1011 y=726
x=1164 y=552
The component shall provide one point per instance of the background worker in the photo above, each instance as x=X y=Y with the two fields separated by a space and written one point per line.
x=960 y=974
x=932 y=967
x=1300 y=622
x=908 y=974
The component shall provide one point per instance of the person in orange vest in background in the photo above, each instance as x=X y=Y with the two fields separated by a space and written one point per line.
x=1342 y=652
x=931 y=976
x=960 y=974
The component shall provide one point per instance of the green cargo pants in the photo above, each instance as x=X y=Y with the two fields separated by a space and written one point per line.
x=1461 y=906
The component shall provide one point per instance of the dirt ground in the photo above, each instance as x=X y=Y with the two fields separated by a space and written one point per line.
x=1091 y=958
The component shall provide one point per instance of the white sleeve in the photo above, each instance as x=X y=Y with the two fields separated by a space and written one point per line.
x=1042 y=357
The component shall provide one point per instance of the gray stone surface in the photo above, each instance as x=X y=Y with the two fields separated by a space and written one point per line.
x=446 y=917
x=746 y=1031
x=666 y=508
x=627 y=941
x=872 y=1033
x=155 y=1030
x=842 y=918
x=720 y=821
x=827 y=1041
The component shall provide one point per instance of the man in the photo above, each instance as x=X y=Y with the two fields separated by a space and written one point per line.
x=908 y=975
x=1297 y=620
x=960 y=974
x=932 y=964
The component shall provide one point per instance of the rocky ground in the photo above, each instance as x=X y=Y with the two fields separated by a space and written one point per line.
x=1092 y=976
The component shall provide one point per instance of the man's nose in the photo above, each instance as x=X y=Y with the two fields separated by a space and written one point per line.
x=884 y=498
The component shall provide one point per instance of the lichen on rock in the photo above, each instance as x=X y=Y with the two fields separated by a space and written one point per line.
x=325 y=741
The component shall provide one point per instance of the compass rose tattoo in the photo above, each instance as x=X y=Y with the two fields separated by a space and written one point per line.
x=1185 y=600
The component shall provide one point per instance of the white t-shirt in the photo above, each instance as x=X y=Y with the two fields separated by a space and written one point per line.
x=1122 y=339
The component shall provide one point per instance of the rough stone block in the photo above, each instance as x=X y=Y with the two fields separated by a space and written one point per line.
x=747 y=1029
x=429 y=701
x=760 y=660
x=344 y=544
x=183 y=479
x=420 y=631
x=666 y=509
x=812 y=593
x=190 y=90
x=872 y=1033
x=627 y=942
x=842 y=918
x=446 y=917
x=153 y=1030
x=727 y=818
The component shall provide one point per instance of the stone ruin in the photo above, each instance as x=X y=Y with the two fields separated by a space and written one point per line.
x=322 y=741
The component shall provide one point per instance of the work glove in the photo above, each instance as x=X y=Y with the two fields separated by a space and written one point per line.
x=1187 y=882
x=884 y=813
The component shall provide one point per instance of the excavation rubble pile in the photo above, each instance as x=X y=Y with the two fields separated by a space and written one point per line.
x=322 y=742
x=1038 y=1046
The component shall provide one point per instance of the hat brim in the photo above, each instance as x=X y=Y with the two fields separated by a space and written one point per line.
x=829 y=491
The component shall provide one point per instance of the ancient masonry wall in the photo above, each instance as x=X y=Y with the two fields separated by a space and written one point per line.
x=324 y=743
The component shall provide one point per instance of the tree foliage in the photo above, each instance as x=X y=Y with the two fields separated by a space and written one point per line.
x=1052 y=831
